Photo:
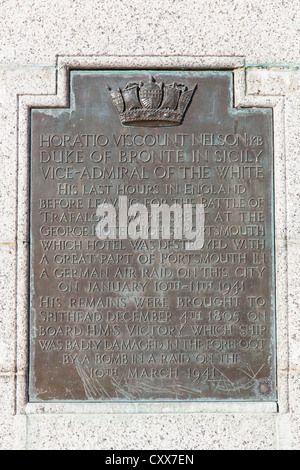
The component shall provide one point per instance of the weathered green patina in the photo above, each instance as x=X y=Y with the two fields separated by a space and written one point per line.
x=144 y=318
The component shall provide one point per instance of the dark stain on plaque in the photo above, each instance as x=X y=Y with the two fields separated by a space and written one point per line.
x=127 y=302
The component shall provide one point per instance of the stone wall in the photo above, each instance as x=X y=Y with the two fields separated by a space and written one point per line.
x=40 y=42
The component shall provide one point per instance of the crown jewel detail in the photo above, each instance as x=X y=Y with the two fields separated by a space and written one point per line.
x=152 y=104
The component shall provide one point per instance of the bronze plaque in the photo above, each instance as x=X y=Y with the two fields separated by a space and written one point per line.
x=152 y=252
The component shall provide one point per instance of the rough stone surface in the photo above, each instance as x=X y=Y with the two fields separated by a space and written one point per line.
x=153 y=432
x=264 y=32
x=35 y=49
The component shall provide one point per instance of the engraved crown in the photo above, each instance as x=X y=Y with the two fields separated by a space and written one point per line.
x=152 y=104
